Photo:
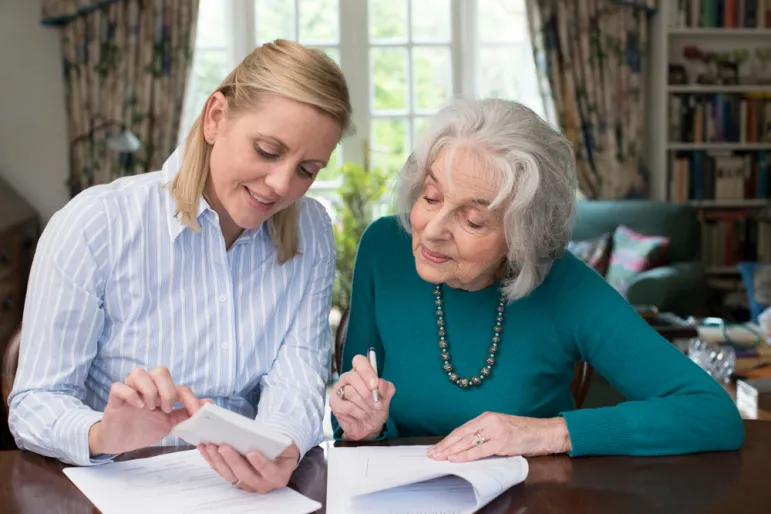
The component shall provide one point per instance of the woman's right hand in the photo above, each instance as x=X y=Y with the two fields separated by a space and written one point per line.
x=140 y=412
x=353 y=405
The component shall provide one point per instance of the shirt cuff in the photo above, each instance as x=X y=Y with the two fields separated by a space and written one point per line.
x=601 y=431
x=296 y=431
x=70 y=436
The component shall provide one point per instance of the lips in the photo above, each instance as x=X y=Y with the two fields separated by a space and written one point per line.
x=435 y=257
x=258 y=201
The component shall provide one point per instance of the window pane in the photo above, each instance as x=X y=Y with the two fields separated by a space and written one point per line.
x=209 y=69
x=328 y=198
x=332 y=52
x=275 y=20
x=389 y=144
x=389 y=78
x=319 y=21
x=419 y=125
x=430 y=20
x=509 y=72
x=210 y=28
x=502 y=21
x=432 y=76
x=387 y=20
x=332 y=171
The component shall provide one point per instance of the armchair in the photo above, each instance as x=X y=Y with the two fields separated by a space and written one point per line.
x=678 y=287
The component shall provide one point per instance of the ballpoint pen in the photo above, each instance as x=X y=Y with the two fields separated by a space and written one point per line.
x=373 y=363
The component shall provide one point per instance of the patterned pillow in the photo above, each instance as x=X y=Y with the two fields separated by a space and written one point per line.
x=594 y=252
x=634 y=253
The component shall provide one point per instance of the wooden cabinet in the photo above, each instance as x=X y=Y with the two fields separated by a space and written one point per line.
x=19 y=231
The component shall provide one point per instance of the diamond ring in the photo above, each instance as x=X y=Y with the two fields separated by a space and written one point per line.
x=478 y=439
x=341 y=393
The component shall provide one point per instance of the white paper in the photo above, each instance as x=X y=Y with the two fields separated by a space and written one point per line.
x=393 y=479
x=180 y=482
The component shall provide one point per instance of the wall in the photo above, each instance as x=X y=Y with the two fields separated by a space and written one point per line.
x=33 y=123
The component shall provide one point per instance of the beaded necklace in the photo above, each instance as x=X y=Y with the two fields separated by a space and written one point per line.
x=486 y=371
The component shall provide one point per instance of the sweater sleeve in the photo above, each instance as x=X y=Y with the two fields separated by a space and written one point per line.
x=673 y=406
x=362 y=330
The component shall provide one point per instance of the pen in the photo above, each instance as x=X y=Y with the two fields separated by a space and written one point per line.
x=373 y=363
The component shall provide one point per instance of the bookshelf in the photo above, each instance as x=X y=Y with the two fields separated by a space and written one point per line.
x=709 y=139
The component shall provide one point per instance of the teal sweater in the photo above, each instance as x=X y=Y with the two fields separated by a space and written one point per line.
x=673 y=406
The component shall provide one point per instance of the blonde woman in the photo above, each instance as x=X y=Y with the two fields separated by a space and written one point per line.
x=209 y=280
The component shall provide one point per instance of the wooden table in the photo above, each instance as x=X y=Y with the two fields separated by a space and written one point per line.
x=705 y=483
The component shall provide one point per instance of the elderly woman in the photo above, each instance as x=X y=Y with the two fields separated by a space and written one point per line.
x=477 y=314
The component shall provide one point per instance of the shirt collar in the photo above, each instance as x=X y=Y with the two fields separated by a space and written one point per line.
x=174 y=220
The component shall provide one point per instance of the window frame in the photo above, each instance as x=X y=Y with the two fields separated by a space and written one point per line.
x=353 y=48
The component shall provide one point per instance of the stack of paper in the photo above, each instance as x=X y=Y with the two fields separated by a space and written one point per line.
x=395 y=479
x=180 y=482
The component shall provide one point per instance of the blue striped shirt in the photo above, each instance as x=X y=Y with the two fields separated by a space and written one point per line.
x=118 y=282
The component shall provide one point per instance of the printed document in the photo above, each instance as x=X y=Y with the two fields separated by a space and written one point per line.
x=394 y=479
x=180 y=482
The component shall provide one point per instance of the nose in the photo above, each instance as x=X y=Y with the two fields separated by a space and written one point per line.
x=437 y=228
x=280 y=179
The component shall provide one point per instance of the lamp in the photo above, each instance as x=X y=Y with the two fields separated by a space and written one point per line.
x=124 y=142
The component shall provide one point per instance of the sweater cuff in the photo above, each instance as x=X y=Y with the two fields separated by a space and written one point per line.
x=601 y=431
x=70 y=437
x=389 y=430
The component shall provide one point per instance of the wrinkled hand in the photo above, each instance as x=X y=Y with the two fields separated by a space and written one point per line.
x=140 y=412
x=356 y=412
x=254 y=472
x=503 y=435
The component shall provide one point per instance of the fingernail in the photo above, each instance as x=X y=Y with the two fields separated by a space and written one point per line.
x=373 y=382
x=141 y=404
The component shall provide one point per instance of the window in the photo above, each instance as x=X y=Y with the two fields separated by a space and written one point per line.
x=402 y=58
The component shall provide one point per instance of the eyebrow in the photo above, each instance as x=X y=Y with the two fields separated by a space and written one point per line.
x=479 y=201
x=283 y=147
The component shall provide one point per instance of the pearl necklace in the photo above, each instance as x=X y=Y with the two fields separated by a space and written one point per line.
x=465 y=382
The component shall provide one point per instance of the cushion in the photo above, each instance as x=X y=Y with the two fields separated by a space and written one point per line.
x=595 y=252
x=634 y=253
x=757 y=281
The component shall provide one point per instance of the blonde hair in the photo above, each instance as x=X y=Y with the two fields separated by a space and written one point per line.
x=282 y=68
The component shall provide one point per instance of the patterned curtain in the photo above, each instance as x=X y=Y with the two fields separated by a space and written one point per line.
x=126 y=64
x=590 y=55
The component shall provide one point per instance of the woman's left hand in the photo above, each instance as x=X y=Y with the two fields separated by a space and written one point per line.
x=501 y=434
x=255 y=472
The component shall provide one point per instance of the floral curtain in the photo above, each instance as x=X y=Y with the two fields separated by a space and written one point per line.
x=590 y=56
x=126 y=64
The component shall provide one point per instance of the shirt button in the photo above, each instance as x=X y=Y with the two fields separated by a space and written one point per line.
x=223 y=298
x=224 y=346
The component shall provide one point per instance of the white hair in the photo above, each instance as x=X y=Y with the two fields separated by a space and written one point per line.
x=537 y=177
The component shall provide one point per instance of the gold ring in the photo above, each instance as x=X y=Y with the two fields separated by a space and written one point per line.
x=341 y=393
x=478 y=439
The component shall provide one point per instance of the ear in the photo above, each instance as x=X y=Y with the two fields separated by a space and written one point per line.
x=214 y=116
